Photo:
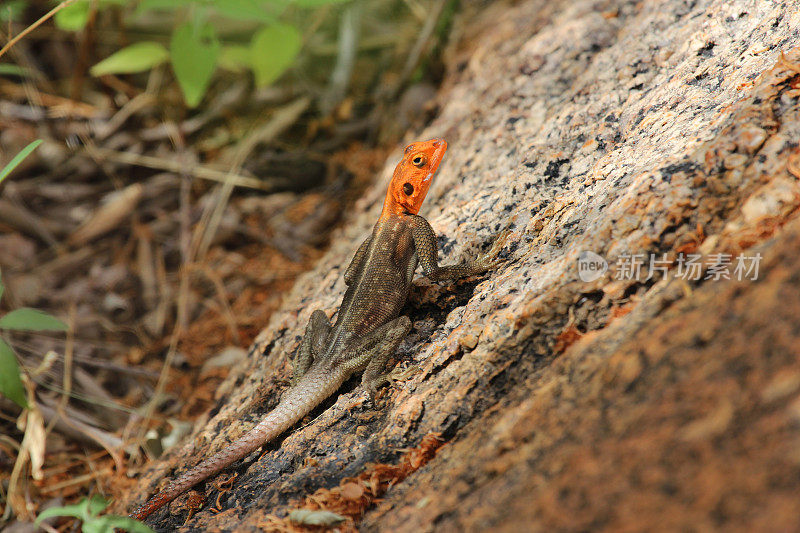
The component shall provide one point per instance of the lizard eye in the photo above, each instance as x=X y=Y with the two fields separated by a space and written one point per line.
x=408 y=189
x=419 y=161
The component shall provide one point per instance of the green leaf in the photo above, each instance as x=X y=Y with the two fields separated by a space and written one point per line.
x=10 y=381
x=194 y=51
x=67 y=510
x=317 y=3
x=96 y=525
x=244 y=10
x=159 y=5
x=7 y=69
x=128 y=524
x=77 y=510
x=88 y=509
x=27 y=319
x=96 y=504
x=163 y=6
x=73 y=17
x=234 y=57
x=272 y=51
x=134 y=58
x=25 y=152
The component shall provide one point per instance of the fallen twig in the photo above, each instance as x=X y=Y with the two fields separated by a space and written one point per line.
x=169 y=165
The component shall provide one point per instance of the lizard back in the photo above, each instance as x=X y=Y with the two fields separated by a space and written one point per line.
x=381 y=284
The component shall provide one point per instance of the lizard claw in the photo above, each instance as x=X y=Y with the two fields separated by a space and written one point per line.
x=389 y=378
x=491 y=258
x=403 y=374
x=371 y=388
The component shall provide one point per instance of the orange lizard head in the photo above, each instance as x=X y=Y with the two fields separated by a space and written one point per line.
x=412 y=177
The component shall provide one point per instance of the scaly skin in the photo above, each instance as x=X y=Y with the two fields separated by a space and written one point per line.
x=368 y=328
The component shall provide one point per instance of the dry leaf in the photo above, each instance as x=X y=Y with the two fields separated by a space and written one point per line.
x=35 y=441
x=117 y=208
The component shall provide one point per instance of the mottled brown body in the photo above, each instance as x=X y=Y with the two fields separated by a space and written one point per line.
x=368 y=327
x=378 y=280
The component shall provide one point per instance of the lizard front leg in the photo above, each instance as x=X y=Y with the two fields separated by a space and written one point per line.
x=313 y=343
x=357 y=262
x=427 y=250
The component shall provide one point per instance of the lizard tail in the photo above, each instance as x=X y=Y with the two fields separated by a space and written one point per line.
x=296 y=403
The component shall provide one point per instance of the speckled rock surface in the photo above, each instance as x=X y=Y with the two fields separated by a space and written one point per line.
x=612 y=127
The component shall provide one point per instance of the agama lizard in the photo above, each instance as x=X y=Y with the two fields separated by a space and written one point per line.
x=368 y=328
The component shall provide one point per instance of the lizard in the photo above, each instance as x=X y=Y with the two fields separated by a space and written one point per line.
x=368 y=327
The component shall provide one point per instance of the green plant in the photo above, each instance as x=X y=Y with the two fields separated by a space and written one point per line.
x=23 y=319
x=88 y=509
x=25 y=152
x=195 y=49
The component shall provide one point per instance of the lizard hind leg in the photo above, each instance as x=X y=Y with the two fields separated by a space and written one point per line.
x=374 y=350
x=312 y=344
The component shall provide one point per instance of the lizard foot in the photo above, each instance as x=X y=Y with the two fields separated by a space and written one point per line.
x=491 y=258
x=372 y=386
x=397 y=374
x=403 y=374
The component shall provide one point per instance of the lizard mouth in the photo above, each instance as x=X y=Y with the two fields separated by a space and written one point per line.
x=436 y=158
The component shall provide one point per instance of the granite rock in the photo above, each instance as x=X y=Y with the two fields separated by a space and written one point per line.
x=637 y=400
